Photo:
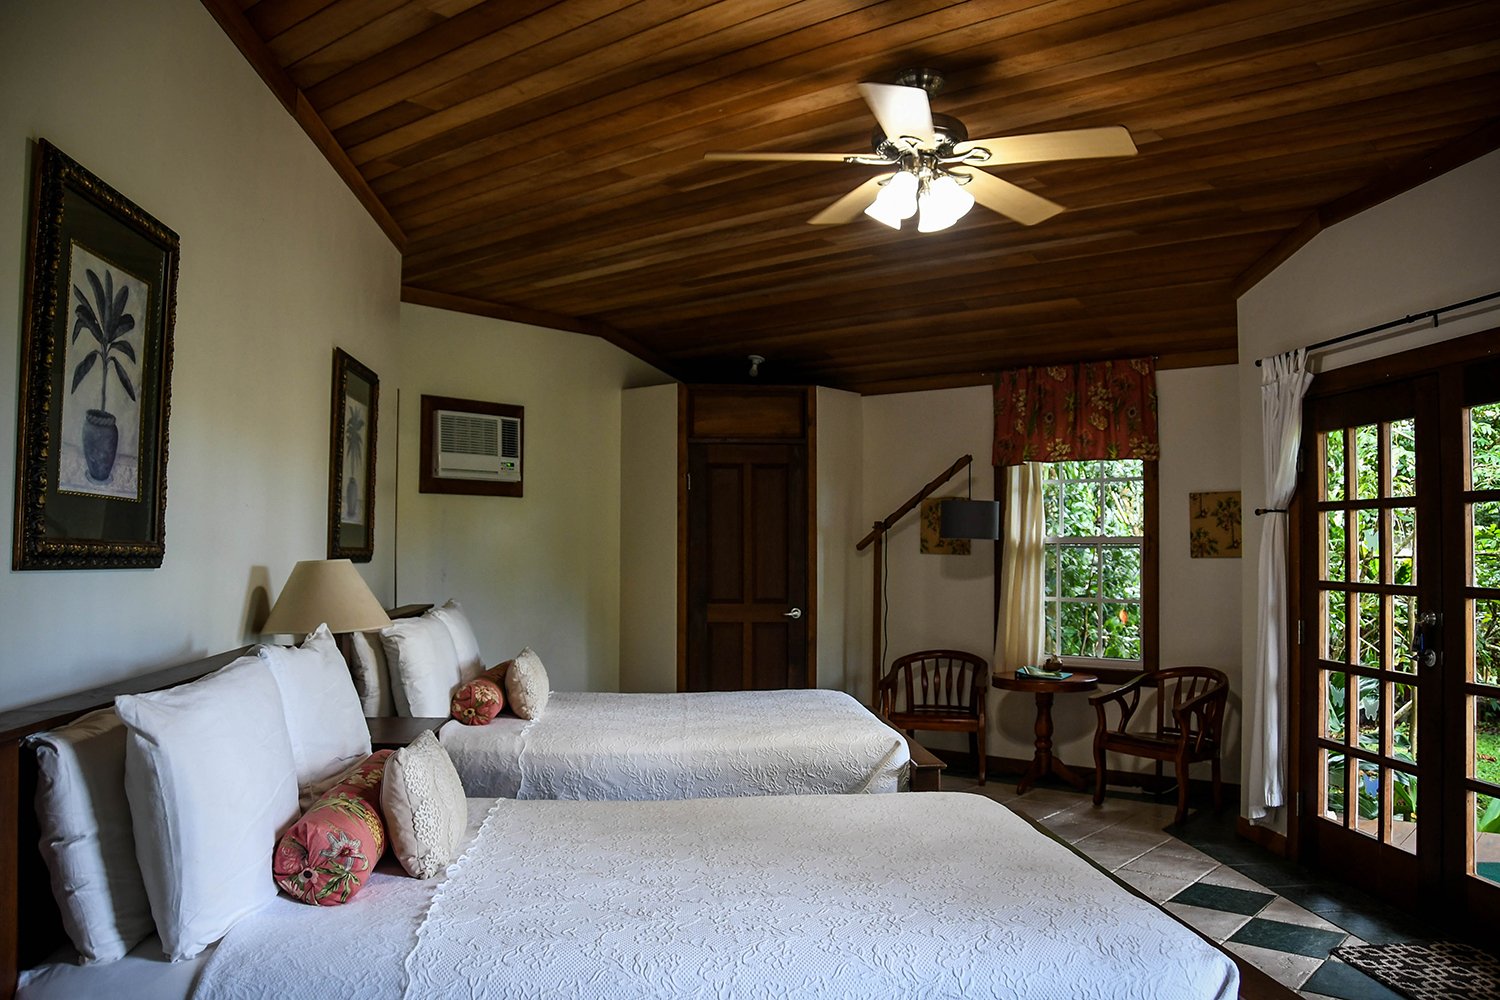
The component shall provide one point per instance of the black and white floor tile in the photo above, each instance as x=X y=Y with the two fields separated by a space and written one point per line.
x=1281 y=918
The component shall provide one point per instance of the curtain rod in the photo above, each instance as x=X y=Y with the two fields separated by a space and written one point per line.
x=1432 y=314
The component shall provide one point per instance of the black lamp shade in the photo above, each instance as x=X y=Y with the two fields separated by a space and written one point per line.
x=969 y=519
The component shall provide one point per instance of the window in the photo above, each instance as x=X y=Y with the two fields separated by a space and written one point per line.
x=1100 y=566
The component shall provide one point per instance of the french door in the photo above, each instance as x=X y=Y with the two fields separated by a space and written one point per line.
x=1400 y=647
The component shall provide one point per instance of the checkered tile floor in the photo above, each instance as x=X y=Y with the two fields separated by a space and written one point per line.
x=1279 y=917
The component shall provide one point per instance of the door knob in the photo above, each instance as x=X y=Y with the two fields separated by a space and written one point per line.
x=794 y=613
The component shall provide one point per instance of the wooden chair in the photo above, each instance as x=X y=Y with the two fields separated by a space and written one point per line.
x=1189 y=725
x=938 y=689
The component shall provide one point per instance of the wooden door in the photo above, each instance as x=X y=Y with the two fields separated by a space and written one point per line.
x=747 y=567
x=1400 y=668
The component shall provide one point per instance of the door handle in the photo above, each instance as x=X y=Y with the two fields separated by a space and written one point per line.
x=1422 y=651
x=794 y=613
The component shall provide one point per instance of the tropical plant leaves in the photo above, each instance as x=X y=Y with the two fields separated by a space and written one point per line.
x=124 y=379
x=84 y=367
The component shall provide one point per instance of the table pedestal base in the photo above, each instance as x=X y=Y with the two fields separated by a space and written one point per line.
x=1043 y=763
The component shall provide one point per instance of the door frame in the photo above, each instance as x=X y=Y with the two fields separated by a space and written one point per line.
x=1428 y=359
x=788 y=417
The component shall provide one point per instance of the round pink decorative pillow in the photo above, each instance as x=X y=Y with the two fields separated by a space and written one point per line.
x=329 y=853
x=481 y=699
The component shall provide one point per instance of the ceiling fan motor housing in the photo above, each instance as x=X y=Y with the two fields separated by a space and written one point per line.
x=948 y=130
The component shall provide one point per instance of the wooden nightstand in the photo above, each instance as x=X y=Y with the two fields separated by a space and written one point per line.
x=394 y=732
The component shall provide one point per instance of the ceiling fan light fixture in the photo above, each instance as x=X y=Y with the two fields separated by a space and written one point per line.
x=897 y=200
x=942 y=203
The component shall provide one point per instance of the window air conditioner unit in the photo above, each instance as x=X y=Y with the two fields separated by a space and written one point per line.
x=477 y=446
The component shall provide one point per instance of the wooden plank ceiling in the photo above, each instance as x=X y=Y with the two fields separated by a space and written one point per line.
x=543 y=161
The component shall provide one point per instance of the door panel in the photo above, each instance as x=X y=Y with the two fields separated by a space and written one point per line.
x=747 y=567
x=1400 y=722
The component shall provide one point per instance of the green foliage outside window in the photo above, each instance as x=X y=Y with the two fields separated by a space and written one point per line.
x=1095 y=513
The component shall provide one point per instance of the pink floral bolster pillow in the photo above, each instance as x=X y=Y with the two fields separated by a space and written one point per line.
x=480 y=700
x=329 y=853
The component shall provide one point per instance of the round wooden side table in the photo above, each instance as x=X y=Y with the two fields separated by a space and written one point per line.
x=1043 y=763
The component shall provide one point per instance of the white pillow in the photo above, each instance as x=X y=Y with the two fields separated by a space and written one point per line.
x=323 y=715
x=371 y=678
x=212 y=786
x=423 y=665
x=424 y=806
x=86 y=837
x=526 y=685
x=470 y=663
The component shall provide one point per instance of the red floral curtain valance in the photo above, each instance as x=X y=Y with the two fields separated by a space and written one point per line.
x=1105 y=409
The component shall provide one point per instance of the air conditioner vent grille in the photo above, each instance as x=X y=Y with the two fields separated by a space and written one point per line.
x=465 y=435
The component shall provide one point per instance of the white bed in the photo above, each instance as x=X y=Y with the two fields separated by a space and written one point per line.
x=678 y=746
x=938 y=895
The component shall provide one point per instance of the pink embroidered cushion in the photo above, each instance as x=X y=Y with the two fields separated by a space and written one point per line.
x=481 y=699
x=330 y=851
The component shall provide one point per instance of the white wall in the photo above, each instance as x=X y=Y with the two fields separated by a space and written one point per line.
x=842 y=603
x=280 y=264
x=949 y=600
x=648 y=538
x=1436 y=244
x=541 y=570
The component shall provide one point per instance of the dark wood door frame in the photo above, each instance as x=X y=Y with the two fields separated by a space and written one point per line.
x=742 y=414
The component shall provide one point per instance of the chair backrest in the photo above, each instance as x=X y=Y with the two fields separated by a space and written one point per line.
x=935 y=679
x=1179 y=685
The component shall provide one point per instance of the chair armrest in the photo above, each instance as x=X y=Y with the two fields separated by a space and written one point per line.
x=1119 y=693
x=1209 y=708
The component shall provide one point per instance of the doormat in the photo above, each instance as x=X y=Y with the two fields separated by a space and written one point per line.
x=1441 y=971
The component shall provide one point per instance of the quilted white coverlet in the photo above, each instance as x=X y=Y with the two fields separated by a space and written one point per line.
x=931 y=895
x=680 y=746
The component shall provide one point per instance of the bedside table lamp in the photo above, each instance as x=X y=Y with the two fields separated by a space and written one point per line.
x=325 y=591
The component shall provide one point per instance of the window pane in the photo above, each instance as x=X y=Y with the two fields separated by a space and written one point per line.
x=1076 y=470
x=1367 y=552
x=1124 y=507
x=1484 y=447
x=1049 y=571
x=1335 y=695
x=1404 y=546
x=1368 y=650
x=1122 y=571
x=1366 y=461
x=1333 y=465
x=1333 y=786
x=1402 y=790
x=1367 y=821
x=1404 y=722
x=1486 y=837
x=1404 y=458
x=1080 y=509
x=1080 y=629
x=1403 y=633
x=1336 y=623
x=1485 y=621
x=1484 y=519
x=1122 y=631
x=1053 y=521
x=1051 y=646
x=1335 y=554
x=1486 y=739
x=1369 y=713
x=1080 y=570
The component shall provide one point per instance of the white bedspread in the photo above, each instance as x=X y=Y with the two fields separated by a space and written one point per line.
x=931 y=895
x=678 y=746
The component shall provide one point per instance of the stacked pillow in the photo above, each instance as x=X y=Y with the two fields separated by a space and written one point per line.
x=428 y=658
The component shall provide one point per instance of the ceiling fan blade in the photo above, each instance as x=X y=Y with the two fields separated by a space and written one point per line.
x=849 y=207
x=810 y=157
x=901 y=111
x=1075 y=144
x=1006 y=198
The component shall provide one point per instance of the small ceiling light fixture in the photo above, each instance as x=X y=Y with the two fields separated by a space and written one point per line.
x=924 y=189
x=755 y=362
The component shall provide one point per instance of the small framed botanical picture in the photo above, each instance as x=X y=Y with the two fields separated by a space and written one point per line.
x=351 y=451
x=96 y=375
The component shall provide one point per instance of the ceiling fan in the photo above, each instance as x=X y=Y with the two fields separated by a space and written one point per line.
x=934 y=160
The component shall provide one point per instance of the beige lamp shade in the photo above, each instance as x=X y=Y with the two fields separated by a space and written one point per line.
x=325 y=590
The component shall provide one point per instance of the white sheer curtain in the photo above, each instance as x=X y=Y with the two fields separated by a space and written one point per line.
x=1020 y=631
x=1283 y=382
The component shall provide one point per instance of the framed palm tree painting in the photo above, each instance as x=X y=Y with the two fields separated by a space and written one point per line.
x=96 y=366
x=351 y=449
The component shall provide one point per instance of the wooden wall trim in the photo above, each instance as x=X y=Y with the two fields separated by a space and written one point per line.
x=255 y=51
x=812 y=536
x=682 y=536
x=962 y=380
